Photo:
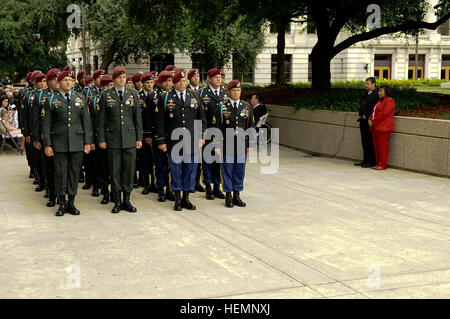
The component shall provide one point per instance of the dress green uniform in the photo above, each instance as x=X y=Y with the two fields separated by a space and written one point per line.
x=67 y=128
x=119 y=124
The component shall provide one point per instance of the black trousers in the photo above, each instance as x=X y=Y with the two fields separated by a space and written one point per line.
x=49 y=169
x=101 y=167
x=367 y=143
x=67 y=172
x=28 y=151
x=122 y=167
x=89 y=169
x=38 y=163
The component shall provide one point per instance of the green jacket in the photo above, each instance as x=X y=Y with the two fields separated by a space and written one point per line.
x=34 y=113
x=25 y=105
x=117 y=123
x=66 y=127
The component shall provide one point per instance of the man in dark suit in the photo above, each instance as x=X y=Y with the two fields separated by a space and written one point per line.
x=259 y=108
x=368 y=101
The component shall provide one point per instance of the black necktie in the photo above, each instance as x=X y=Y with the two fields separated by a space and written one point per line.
x=68 y=98
x=235 y=105
x=181 y=98
x=120 y=96
x=217 y=93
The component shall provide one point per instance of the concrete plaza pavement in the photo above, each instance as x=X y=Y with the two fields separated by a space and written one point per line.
x=318 y=228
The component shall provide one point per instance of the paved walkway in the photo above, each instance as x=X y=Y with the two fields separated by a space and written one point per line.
x=319 y=228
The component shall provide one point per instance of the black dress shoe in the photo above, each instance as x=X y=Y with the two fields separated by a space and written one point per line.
x=40 y=188
x=360 y=163
x=169 y=194
x=126 y=205
x=95 y=192
x=365 y=165
x=105 y=198
x=185 y=202
x=51 y=199
x=36 y=181
x=228 y=200
x=31 y=175
x=161 y=195
x=86 y=186
x=46 y=193
x=237 y=200
x=177 y=206
x=71 y=209
x=209 y=193
x=146 y=190
x=217 y=192
x=81 y=178
x=117 y=203
x=199 y=187
x=62 y=206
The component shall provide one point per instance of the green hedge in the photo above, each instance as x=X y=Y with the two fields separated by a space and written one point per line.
x=347 y=100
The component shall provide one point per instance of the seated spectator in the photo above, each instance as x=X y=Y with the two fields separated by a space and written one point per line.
x=381 y=123
x=15 y=133
x=259 y=108
x=14 y=117
x=4 y=102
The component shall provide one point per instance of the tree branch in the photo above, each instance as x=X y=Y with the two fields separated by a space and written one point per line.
x=408 y=25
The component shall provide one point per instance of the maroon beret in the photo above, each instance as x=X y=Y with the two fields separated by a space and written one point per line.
x=170 y=68
x=118 y=70
x=33 y=74
x=81 y=74
x=52 y=73
x=163 y=76
x=222 y=73
x=98 y=72
x=155 y=73
x=106 y=80
x=89 y=79
x=129 y=78
x=213 y=72
x=233 y=84
x=68 y=68
x=179 y=74
x=137 y=77
x=147 y=76
x=192 y=72
x=64 y=74
x=28 y=76
x=39 y=76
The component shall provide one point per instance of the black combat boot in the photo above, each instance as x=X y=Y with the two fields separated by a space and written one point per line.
x=161 y=195
x=146 y=185
x=51 y=198
x=86 y=186
x=117 y=203
x=135 y=182
x=95 y=192
x=185 y=203
x=209 y=193
x=199 y=187
x=31 y=175
x=40 y=188
x=126 y=205
x=177 y=205
x=71 y=209
x=237 y=200
x=46 y=193
x=62 y=206
x=169 y=194
x=217 y=192
x=105 y=199
x=228 y=200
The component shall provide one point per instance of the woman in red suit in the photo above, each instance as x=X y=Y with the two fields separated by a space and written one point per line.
x=381 y=124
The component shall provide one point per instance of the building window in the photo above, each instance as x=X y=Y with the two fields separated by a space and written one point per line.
x=412 y=66
x=382 y=68
x=159 y=62
x=445 y=67
x=241 y=71
x=197 y=63
x=95 y=62
x=287 y=67
x=274 y=29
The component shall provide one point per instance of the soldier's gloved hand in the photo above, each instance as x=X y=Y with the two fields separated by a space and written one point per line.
x=48 y=151
x=149 y=141
x=102 y=145
x=87 y=148
x=37 y=145
x=163 y=147
x=92 y=147
x=28 y=139
x=138 y=144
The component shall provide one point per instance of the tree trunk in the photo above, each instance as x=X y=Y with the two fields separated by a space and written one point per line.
x=280 y=76
x=321 y=73
x=108 y=58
